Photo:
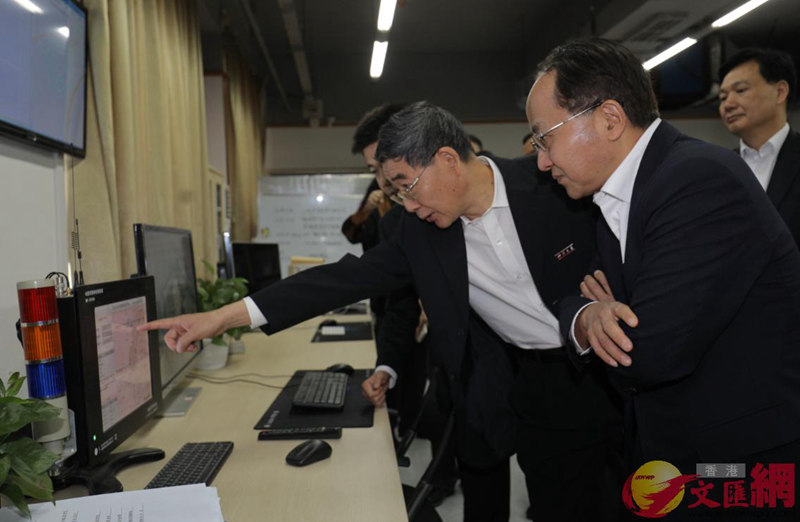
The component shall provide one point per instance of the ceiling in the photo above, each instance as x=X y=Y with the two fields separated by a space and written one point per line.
x=473 y=57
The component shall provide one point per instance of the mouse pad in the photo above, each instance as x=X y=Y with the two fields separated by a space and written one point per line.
x=359 y=331
x=357 y=411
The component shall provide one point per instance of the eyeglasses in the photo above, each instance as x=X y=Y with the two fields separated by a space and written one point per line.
x=537 y=140
x=399 y=196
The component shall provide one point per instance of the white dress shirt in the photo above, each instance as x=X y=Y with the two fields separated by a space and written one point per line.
x=614 y=200
x=501 y=288
x=762 y=161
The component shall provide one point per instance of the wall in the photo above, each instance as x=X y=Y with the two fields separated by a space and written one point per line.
x=34 y=234
x=327 y=149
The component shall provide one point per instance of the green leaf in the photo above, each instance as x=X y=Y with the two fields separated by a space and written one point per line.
x=35 y=486
x=28 y=455
x=2 y=389
x=5 y=466
x=14 y=493
x=16 y=413
x=209 y=268
x=14 y=384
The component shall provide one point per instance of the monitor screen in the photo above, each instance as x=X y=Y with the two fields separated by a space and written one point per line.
x=113 y=380
x=166 y=254
x=123 y=359
x=43 y=73
x=259 y=263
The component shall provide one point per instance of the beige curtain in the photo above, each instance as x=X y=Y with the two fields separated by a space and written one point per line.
x=245 y=146
x=146 y=132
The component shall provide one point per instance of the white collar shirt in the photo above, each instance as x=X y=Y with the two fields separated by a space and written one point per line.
x=501 y=288
x=614 y=197
x=762 y=161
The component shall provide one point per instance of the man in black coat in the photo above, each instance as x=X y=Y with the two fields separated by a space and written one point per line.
x=703 y=337
x=491 y=250
x=757 y=88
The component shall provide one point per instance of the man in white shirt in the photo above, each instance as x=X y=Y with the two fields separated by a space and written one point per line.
x=757 y=87
x=699 y=330
x=491 y=248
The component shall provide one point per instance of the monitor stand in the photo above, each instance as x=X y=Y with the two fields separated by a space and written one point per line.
x=178 y=401
x=100 y=478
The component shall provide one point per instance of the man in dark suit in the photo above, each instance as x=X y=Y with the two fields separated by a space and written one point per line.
x=757 y=87
x=491 y=250
x=703 y=339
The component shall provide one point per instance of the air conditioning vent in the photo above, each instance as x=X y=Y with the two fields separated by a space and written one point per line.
x=655 y=27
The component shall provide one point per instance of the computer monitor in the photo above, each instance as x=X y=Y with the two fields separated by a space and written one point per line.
x=259 y=263
x=112 y=376
x=166 y=254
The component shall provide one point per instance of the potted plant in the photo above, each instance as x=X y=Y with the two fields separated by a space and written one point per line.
x=214 y=294
x=23 y=461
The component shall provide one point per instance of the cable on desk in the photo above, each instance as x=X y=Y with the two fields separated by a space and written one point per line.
x=226 y=381
x=239 y=375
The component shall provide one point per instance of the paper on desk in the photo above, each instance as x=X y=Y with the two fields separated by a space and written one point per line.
x=195 y=503
x=332 y=330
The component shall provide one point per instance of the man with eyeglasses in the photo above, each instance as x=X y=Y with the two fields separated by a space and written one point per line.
x=491 y=248
x=702 y=338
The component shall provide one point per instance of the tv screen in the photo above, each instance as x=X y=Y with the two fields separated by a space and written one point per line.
x=43 y=73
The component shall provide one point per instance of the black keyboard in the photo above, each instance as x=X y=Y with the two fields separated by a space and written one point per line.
x=195 y=463
x=321 y=390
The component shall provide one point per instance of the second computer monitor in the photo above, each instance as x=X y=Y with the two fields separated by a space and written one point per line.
x=166 y=254
x=259 y=263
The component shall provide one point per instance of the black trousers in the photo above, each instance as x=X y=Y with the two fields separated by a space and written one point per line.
x=569 y=445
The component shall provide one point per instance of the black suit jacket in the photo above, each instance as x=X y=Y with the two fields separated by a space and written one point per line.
x=784 y=185
x=713 y=274
x=434 y=261
x=401 y=312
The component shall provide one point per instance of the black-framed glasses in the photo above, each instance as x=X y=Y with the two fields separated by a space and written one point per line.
x=537 y=140
x=400 y=195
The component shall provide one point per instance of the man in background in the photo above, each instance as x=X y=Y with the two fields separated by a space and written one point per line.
x=757 y=88
x=476 y=143
x=527 y=145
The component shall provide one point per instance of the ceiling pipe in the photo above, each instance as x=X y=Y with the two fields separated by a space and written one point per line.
x=257 y=33
x=312 y=108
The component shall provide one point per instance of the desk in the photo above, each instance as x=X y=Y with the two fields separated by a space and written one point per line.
x=358 y=482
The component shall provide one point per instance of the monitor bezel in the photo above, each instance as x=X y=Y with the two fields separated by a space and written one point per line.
x=88 y=298
x=139 y=231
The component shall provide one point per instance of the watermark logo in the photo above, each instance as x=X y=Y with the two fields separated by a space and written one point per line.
x=658 y=487
x=655 y=489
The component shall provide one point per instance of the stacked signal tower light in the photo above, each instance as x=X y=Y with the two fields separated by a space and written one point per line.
x=44 y=362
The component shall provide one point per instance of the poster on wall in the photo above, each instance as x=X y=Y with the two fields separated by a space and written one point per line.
x=304 y=214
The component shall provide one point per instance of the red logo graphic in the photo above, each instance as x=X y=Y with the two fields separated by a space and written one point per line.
x=655 y=489
x=658 y=487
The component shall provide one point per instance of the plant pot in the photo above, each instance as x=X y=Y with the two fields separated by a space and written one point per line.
x=213 y=357
x=237 y=346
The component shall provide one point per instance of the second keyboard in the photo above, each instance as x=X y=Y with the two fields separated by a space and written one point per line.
x=321 y=390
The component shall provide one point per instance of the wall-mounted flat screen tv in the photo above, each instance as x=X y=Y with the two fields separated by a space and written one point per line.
x=43 y=73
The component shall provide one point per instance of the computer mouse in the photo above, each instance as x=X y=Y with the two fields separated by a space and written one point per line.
x=329 y=322
x=340 y=368
x=309 y=452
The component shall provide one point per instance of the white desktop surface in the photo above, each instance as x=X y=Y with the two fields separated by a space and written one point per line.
x=359 y=482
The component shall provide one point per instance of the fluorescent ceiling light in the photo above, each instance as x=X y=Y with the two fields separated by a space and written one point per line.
x=386 y=14
x=669 y=53
x=63 y=31
x=30 y=6
x=738 y=12
x=378 y=57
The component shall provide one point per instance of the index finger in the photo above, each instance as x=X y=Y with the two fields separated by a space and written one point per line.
x=158 y=324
